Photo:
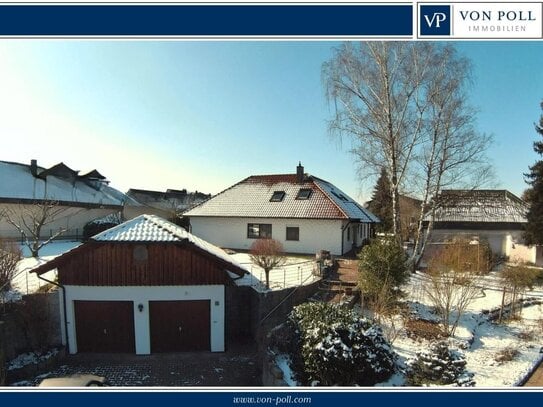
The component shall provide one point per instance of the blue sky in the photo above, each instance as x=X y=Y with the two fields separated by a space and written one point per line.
x=204 y=115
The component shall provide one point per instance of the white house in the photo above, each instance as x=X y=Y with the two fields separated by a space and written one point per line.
x=305 y=213
x=497 y=216
x=78 y=198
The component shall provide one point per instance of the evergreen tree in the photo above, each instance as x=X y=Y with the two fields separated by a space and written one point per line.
x=381 y=202
x=534 y=195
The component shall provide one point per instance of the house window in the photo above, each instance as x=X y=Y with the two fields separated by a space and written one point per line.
x=259 y=231
x=293 y=233
x=304 y=193
x=349 y=233
x=277 y=196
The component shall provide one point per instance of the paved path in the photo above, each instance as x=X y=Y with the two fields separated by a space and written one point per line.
x=236 y=367
x=536 y=380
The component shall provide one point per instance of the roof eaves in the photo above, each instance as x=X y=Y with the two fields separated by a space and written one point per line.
x=64 y=257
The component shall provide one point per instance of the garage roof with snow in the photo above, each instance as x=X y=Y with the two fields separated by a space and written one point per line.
x=148 y=229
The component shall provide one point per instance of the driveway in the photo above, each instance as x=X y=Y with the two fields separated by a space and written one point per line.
x=236 y=367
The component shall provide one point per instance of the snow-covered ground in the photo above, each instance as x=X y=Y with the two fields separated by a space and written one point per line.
x=479 y=339
x=25 y=282
x=482 y=339
x=296 y=271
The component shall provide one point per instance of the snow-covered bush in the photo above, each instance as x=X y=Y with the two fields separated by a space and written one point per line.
x=338 y=347
x=100 y=225
x=439 y=366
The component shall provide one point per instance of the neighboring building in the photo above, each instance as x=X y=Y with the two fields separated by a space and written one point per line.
x=497 y=216
x=146 y=286
x=305 y=213
x=409 y=215
x=168 y=205
x=79 y=198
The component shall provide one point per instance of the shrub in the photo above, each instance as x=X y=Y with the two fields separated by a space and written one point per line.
x=100 y=225
x=338 y=347
x=422 y=329
x=382 y=271
x=506 y=354
x=10 y=254
x=527 y=335
x=35 y=322
x=439 y=366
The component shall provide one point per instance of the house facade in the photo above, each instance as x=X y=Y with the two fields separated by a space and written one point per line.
x=145 y=286
x=497 y=216
x=76 y=198
x=305 y=213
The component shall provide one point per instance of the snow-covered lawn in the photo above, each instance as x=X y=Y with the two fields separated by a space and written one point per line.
x=25 y=282
x=479 y=339
x=296 y=271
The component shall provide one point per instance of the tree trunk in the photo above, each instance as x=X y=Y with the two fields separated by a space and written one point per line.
x=267 y=273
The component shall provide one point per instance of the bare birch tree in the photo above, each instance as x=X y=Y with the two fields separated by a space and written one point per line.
x=453 y=151
x=403 y=105
x=30 y=220
x=375 y=88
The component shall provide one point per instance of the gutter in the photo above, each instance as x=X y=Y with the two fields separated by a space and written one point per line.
x=63 y=306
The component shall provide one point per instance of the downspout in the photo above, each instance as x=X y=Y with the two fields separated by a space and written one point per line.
x=64 y=308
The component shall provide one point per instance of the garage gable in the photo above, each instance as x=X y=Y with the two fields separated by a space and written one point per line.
x=145 y=251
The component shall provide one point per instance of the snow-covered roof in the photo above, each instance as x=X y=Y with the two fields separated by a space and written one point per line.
x=178 y=200
x=151 y=228
x=58 y=183
x=489 y=206
x=252 y=198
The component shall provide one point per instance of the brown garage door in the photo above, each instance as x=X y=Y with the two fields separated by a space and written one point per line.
x=104 y=326
x=179 y=326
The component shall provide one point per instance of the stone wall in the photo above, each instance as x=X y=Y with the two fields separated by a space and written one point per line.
x=251 y=314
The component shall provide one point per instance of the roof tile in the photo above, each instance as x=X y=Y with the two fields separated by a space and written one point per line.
x=151 y=228
x=251 y=198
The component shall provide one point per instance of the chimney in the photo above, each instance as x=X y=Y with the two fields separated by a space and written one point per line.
x=34 y=167
x=300 y=173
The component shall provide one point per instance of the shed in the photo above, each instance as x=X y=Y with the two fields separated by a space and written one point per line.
x=144 y=286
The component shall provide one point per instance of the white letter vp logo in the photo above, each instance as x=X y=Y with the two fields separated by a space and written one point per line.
x=438 y=18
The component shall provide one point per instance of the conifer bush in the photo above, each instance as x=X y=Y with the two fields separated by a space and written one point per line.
x=338 y=347
x=439 y=366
